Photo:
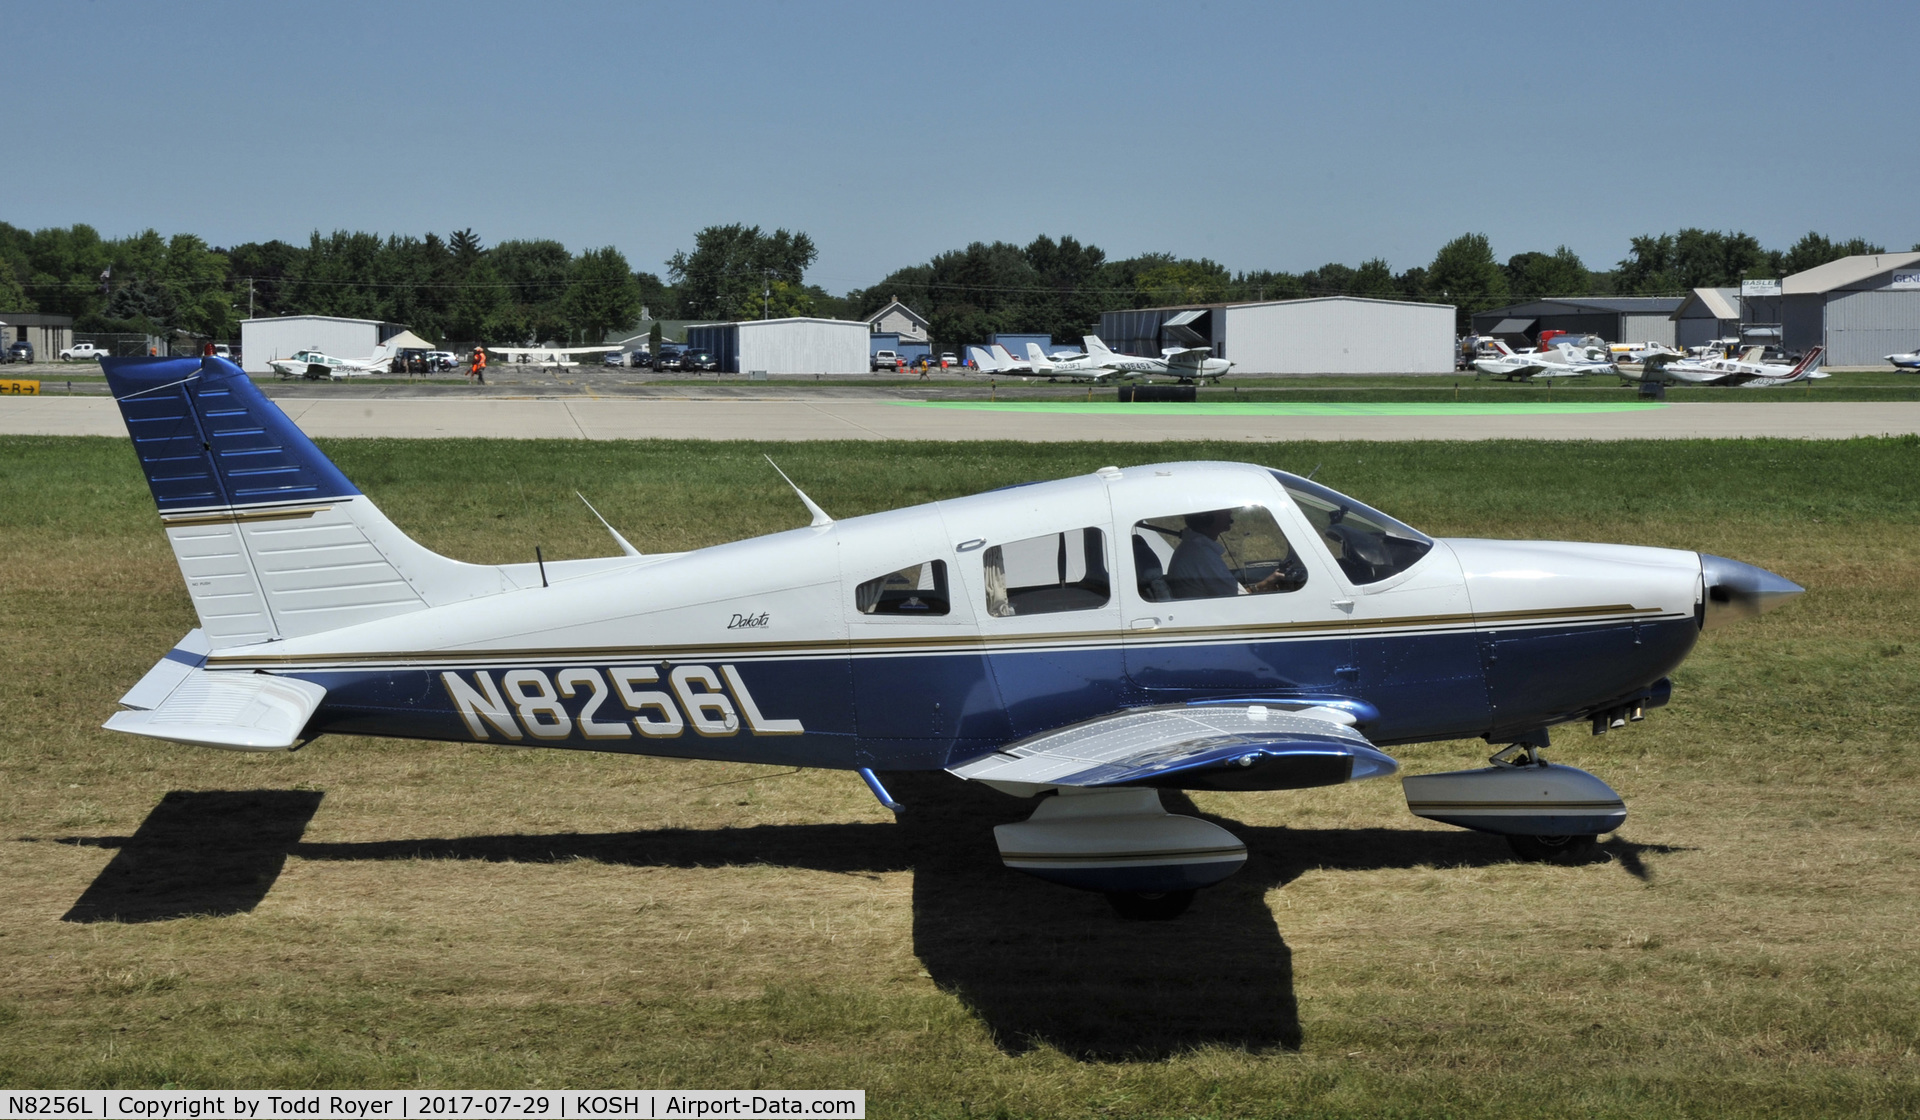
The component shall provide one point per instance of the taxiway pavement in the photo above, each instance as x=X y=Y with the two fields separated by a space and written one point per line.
x=800 y=417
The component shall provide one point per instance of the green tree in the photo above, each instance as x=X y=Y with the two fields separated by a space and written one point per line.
x=195 y=277
x=268 y=265
x=1546 y=275
x=601 y=294
x=730 y=266
x=1464 y=274
x=1182 y=281
x=537 y=275
x=15 y=269
x=1374 y=280
x=1814 y=250
x=66 y=270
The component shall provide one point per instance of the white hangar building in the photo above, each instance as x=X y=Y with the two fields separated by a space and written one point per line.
x=786 y=346
x=1860 y=308
x=1329 y=334
x=263 y=340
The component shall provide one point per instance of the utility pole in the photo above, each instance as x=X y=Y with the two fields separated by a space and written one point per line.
x=249 y=297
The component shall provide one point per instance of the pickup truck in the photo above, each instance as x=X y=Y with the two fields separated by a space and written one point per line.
x=83 y=352
x=885 y=359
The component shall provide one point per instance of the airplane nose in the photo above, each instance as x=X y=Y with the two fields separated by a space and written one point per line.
x=1736 y=591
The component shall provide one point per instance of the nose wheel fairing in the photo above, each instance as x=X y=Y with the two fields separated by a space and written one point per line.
x=1529 y=799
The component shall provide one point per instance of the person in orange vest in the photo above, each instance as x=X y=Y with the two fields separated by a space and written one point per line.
x=478 y=372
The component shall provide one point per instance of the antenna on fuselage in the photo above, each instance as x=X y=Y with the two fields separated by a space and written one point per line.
x=618 y=539
x=819 y=515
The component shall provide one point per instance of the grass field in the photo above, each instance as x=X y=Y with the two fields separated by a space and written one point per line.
x=390 y=913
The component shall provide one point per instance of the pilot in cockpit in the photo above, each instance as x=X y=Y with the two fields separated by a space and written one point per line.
x=1198 y=568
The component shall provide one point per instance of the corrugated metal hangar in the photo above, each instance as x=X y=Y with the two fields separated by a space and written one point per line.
x=263 y=340
x=1330 y=334
x=1860 y=308
x=786 y=346
x=1614 y=318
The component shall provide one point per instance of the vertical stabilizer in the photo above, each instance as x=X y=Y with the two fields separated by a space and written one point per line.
x=271 y=538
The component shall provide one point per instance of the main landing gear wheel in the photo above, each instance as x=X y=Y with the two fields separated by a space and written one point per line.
x=1150 y=906
x=1545 y=849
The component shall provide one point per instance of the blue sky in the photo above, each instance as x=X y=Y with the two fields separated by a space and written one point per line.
x=1263 y=135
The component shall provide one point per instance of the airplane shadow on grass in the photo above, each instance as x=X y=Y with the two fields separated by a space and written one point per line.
x=1039 y=964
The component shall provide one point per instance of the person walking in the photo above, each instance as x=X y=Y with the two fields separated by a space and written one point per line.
x=477 y=372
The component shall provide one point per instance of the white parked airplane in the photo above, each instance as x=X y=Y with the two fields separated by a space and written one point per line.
x=1744 y=371
x=314 y=365
x=1078 y=367
x=1563 y=360
x=1909 y=361
x=546 y=355
x=1190 y=363
x=1081 y=644
x=995 y=359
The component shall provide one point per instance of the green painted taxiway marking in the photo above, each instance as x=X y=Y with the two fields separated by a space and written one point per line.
x=1303 y=408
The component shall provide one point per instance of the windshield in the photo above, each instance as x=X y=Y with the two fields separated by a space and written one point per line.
x=1368 y=545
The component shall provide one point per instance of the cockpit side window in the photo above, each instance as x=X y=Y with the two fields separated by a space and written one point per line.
x=1368 y=545
x=916 y=590
x=1216 y=553
x=1048 y=574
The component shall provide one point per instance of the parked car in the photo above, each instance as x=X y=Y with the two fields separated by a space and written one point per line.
x=614 y=358
x=84 y=352
x=442 y=360
x=949 y=360
x=699 y=361
x=640 y=359
x=669 y=357
x=885 y=359
x=21 y=351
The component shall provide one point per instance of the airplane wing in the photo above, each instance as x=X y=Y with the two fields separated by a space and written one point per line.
x=584 y=350
x=1251 y=746
x=1188 y=358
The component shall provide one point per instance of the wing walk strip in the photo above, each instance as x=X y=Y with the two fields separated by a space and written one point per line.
x=961 y=643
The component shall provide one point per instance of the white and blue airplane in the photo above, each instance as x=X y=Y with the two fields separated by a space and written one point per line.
x=1088 y=641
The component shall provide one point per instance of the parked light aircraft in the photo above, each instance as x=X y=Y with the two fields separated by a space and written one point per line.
x=1747 y=371
x=1563 y=360
x=1189 y=363
x=1088 y=641
x=995 y=359
x=1078 y=367
x=314 y=365
x=546 y=355
x=1908 y=361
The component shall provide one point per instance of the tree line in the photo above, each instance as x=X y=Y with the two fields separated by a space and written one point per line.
x=458 y=290
x=450 y=288
x=1061 y=286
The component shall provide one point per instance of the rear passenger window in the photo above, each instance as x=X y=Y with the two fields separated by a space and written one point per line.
x=1046 y=575
x=918 y=589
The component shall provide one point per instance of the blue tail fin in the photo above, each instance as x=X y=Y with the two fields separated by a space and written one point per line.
x=208 y=438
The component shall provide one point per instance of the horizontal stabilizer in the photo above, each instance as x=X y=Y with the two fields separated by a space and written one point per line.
x=1225 y=747
x=169 y=672
x=235 y=710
